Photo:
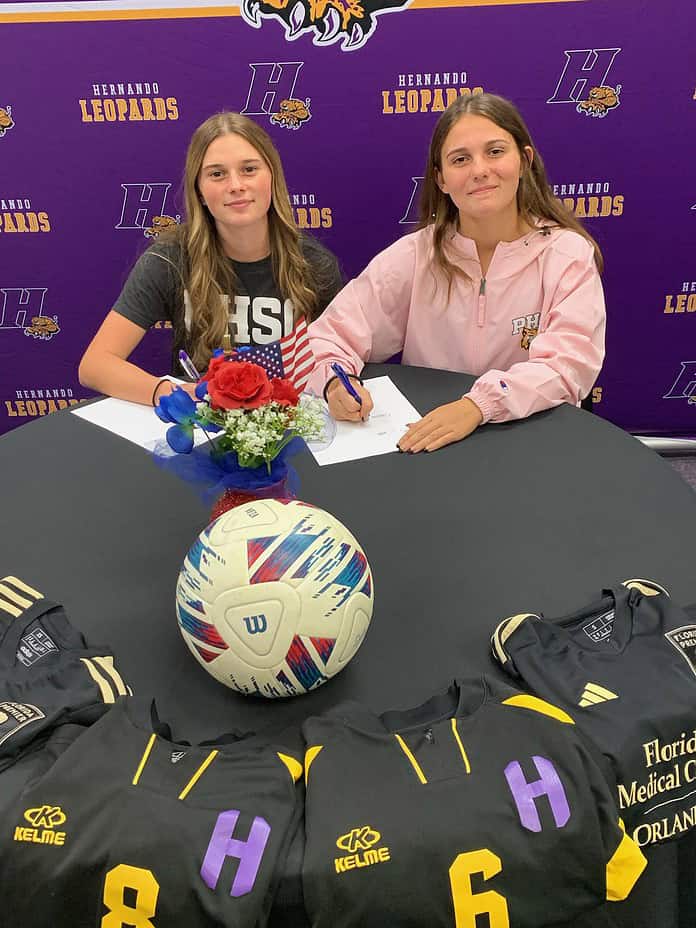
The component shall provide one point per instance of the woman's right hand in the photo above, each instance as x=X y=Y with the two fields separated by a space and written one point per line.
x=343 y=406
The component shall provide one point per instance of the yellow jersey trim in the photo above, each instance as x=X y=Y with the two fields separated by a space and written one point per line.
x=294 y=766
x=198 y=774
x=625 y=866
x=461 y=746
x=310 y=757
x=143 y=759
x=526 y=701
x=414 y=763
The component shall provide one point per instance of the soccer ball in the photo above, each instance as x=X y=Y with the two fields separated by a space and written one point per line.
x=274 y=597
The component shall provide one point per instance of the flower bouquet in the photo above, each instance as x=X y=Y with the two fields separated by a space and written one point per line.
x=253 y=424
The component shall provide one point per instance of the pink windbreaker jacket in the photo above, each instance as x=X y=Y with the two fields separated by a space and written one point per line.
x=532 y=331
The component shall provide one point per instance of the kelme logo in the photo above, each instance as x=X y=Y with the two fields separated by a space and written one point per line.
x=45 y=816
x=44 y=821
x=360 y=844
x=358 y=839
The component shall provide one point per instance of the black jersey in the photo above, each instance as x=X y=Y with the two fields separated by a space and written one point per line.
x=483 y=802
x=48 y=673
x=624 y=667
x=127 y=828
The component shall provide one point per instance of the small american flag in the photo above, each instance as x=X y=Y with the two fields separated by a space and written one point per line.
x=290 y=357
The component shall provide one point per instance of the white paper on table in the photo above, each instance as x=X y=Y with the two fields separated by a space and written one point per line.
x=134 y=421
x=387 y=423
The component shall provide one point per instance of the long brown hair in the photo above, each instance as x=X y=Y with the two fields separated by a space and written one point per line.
x=535 y=199
x=207 y=274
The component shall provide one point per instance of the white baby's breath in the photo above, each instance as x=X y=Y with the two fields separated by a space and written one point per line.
x=259 y=435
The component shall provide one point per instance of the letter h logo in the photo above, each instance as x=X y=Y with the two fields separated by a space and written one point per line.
x=140 y=203
x=17 y=302
x=271 y=82
x=525 y=794
x=684 y=386
x=584 y=69
x=248 y=852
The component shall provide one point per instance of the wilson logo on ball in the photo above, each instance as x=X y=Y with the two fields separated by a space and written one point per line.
x=255 y=624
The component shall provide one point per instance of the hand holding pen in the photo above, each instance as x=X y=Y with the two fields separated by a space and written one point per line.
x=347 y=398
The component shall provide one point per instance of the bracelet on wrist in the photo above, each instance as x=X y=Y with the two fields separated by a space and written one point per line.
x=331 y=380
x=153 y=400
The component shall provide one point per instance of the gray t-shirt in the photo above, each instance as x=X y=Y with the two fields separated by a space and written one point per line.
x=154 y=292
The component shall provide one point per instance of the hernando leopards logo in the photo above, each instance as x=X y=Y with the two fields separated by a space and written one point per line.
x=17 y=304
x=583 y=81
x=272 y=93
x=144 y=207
x=350 y=22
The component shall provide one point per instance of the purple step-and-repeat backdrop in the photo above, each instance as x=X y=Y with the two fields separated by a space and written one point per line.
x=98 y=101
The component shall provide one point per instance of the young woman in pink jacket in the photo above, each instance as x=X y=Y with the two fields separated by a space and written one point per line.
x=499 y=280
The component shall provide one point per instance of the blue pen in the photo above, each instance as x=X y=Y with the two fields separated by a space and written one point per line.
x=188 y=366
x=345 y=380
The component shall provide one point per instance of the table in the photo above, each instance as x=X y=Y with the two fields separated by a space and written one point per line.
x=537 y=515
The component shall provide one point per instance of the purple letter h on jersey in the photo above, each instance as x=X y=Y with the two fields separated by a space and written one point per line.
x=549 y=784
x=249 y=852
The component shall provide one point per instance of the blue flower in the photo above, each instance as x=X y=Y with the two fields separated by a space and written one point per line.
x=178 y=407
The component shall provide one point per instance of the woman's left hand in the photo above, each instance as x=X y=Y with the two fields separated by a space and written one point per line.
x=442 y=426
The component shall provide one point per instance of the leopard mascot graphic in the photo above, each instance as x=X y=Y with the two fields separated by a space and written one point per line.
x=159 y=224
x=6 y=121
x=291 y=114
x=43 y=327
x=599 y=101
x=350 y=22
x=527 y=335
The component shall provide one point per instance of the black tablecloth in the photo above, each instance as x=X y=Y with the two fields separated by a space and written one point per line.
x=537 y=515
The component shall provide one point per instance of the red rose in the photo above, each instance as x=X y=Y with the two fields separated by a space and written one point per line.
x=284 y=392
x=239 y=385
x=215 y=362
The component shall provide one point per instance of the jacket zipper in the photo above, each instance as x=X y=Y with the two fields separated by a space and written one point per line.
x=480 y=319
